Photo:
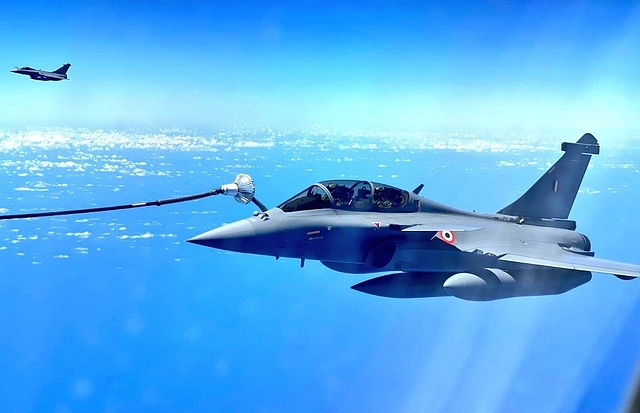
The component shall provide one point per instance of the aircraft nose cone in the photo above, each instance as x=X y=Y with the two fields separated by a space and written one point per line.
x=228 y=237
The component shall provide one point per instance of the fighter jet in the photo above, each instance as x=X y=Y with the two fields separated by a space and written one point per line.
x=527 y=248
x=37 y=74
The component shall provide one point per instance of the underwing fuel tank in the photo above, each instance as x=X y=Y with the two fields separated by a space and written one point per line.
x=482 y=285
x=494 y=284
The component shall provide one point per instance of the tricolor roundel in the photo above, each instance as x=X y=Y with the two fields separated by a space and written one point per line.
x=447 y=236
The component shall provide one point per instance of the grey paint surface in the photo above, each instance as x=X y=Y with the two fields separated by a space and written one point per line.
x=43 y=75
x=431 y=249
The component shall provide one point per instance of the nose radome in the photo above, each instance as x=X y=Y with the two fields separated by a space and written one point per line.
x=227 y=236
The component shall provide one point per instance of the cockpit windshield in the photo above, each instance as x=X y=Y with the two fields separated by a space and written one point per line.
x=353 y=195
x=314 y=197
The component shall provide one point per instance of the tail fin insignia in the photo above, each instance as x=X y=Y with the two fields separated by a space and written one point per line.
x=552 y=196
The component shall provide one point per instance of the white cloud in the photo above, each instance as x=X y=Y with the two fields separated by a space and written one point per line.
x=139 y=236
x=84 y=234
x=236 y=141
x=24 y=188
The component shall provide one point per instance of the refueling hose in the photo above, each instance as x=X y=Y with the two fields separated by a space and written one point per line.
x=158 y=202
x=242 y=189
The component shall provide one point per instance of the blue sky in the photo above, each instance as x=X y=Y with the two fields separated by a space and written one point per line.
x=140 y=321
x=360 y=65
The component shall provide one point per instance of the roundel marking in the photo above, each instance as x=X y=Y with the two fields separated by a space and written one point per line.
x=447 y=236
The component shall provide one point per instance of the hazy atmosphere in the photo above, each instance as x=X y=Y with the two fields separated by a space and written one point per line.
x=116 y=312
x=524 y=66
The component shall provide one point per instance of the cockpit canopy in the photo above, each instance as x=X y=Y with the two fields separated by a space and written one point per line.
x=352 y=195
x=27 y=68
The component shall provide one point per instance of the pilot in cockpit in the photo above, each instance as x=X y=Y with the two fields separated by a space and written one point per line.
x=361 y=199
x=340 y=193
x=386 y=197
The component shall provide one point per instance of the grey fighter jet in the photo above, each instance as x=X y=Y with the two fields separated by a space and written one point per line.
x=527 y=248
x=37 y=74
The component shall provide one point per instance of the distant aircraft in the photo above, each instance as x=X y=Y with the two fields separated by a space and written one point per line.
x=528 y=248
x=37 y=74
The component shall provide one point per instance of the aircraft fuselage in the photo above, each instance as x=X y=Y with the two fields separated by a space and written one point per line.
x=529 y=247
x=43 y=75
x=363 y=242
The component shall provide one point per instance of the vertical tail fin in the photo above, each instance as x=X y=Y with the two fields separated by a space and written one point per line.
x=63 y=69
x=553 y=194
